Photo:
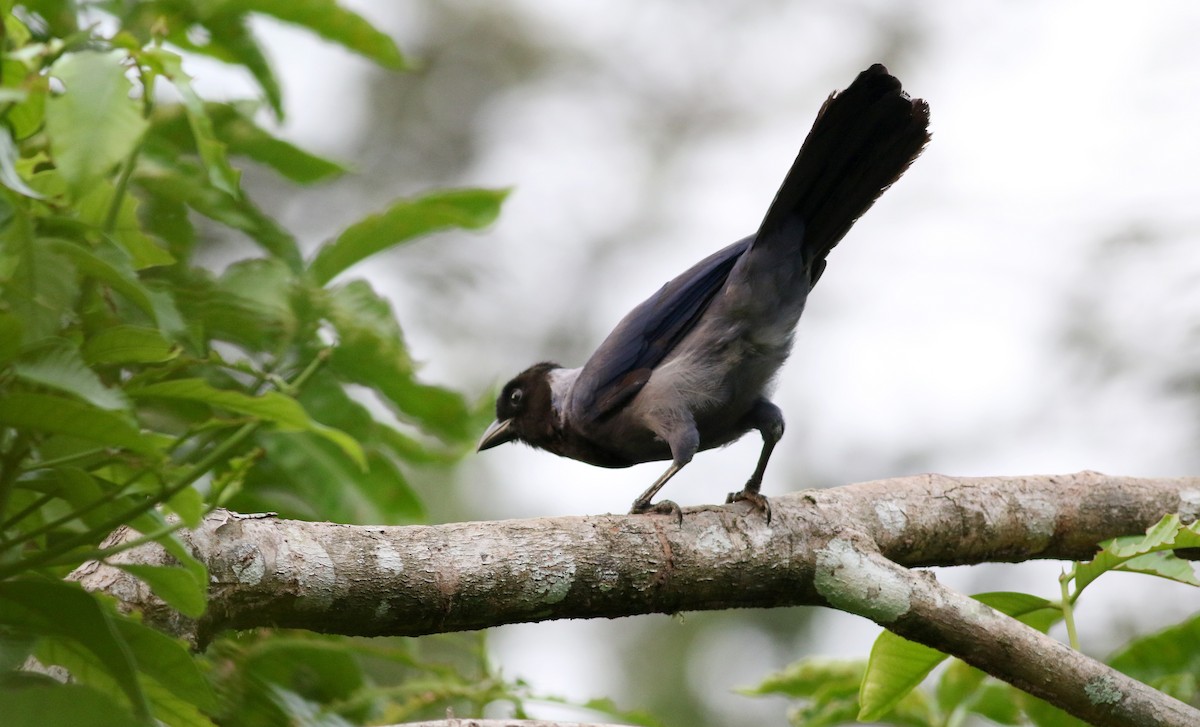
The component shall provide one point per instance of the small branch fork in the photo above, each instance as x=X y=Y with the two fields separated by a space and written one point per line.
x=850 y=548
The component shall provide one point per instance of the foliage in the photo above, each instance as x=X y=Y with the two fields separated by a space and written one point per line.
x=884 y=688
x=271 y=677
x=139 y=388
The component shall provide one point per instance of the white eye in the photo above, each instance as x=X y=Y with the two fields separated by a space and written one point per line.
x=515 y=397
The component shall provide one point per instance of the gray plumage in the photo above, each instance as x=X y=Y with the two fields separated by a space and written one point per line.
x=690 y=368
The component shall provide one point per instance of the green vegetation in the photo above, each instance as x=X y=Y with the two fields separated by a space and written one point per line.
x=140 y=388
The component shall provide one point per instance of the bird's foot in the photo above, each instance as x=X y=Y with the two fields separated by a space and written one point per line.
x=758 y=500
x=662 y=507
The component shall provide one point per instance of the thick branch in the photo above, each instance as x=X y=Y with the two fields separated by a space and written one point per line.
x=458 y=576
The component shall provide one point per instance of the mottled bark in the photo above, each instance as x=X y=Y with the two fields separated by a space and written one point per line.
x=848 y=547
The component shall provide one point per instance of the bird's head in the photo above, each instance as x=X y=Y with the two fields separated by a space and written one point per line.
x=524 y=410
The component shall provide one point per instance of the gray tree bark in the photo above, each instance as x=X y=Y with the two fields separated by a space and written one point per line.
x=849 y=548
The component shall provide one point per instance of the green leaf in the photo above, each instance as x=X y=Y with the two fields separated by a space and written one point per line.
x=963 y=688
x=250 y=306
x=230 y=40
x=606 y=706
x=260 y=291
x=325 y=398
x=1159 y=535
x=67 y=611
x=232 y=35
x=271 y=406
x=177 y=586
x=170 y=320
x=371 y=352
x=1043 y=714
x=10 y=337
x=188 y=504
x=15 y=649
x=282 y=411
x=17 y=31
x=9 y=176
x=58 y=365
x=1163 y=564
x=344 y=442
x=227 y=483
x=180 y=179
x=122 y=280
x=128 y=345
x=299 y=710
x=305 y=477
x=334 y=23
x=167 y=219
x=167 y=661
x=243 y=136
x=405 y=220
x=171 y=709
x=1033 y=611
x=317 y=668
x=411 y=449
x=212 y=152
x=58 y=415
x=1157 y=659
x=830 y=691
x=959 y=683
x=25 y=116
x=442 y=411
x=998 y=702
x=386 y=486
x=180 y=552
x=94 y=124
x=367 y=330
x=808 y=677
x=1150 y=554
x=52 y=704
x=124 y=230
x=90 y=498
x=897 y=666
x=40 y=287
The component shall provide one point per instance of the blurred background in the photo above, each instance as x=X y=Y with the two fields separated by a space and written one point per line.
x=1025 y=300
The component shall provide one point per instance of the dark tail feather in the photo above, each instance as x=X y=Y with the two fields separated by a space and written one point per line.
x=862 y=141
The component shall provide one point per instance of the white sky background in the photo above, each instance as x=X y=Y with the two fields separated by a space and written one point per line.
x=936 y=339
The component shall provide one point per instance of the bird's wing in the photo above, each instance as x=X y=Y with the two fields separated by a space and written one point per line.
x=621 y=366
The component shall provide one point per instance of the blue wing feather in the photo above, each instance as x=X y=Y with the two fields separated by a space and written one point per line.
x=620 y=367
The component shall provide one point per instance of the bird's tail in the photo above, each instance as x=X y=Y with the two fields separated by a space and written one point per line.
x=861 y=142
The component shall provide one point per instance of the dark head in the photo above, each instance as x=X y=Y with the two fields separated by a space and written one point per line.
x=523 y=410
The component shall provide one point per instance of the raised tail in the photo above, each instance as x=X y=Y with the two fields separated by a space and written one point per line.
x=861 y=142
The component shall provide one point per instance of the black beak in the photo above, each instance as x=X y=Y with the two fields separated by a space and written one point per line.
x=498 y=433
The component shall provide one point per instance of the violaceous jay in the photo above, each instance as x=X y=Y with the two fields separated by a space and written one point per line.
x=691 y=367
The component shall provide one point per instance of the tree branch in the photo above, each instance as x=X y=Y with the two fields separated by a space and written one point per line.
x=914 y=605
x=849 y=548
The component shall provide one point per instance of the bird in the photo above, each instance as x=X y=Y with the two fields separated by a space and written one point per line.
x=691 y=367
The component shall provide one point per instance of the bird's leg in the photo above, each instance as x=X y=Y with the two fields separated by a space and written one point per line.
x=679 y=431
x=768 y=420
x=663 y=507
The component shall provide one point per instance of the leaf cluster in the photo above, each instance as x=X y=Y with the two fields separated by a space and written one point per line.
x=139 y=388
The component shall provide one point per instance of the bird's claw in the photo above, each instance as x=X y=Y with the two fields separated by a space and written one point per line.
x=662 y=507
x=756 y=499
